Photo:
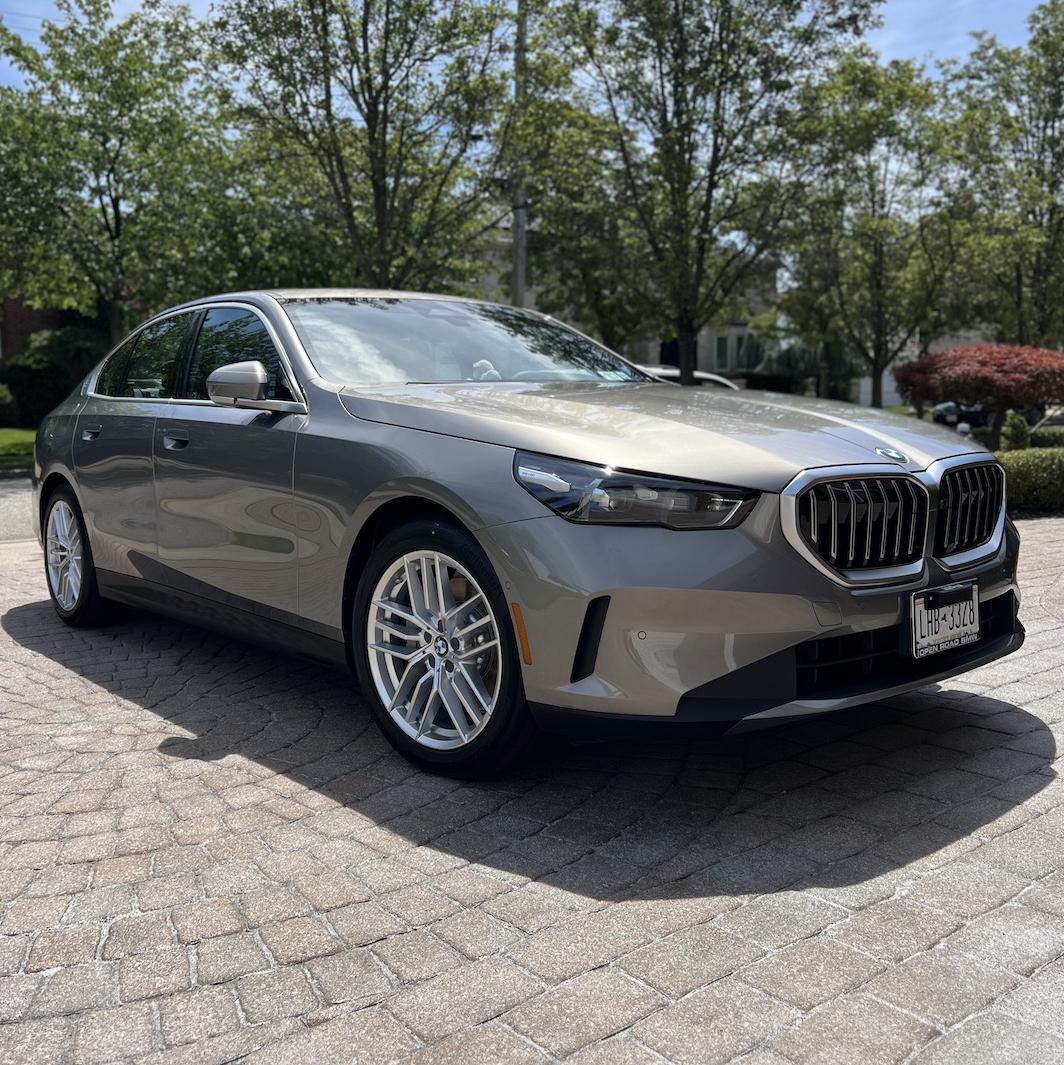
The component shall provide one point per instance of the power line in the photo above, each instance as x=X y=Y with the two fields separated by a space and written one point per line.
x=31 y=31
x=15 y=13
x=11 y=22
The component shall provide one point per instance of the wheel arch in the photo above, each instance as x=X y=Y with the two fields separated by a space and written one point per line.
x=49 y=485
x=389 y=515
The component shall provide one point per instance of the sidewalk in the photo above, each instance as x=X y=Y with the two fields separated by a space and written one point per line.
x=16 y=501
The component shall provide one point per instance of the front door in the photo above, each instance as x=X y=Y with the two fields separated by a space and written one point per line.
x=223 y=478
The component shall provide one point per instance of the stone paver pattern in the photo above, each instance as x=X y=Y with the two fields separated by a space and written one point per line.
x=16 y=508
x=208 y=853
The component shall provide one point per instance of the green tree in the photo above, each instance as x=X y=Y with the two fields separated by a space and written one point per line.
x=276 y=221
x=882 y=224
x=586 y=254
x=805 y=313
x=395 y=107
x=1012 y=105
x=110 y=160
x=701 y=96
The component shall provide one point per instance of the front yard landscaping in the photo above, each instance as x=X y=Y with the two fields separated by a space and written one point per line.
x=16 y=449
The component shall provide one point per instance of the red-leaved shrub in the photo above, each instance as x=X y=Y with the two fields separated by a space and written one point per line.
x=1000 y=376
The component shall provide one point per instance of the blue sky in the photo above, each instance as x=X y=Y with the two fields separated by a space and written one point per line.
x=918 y=29
x=941 y=29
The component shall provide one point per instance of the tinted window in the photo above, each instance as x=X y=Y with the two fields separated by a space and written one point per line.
x=229 y=334
x=373 y=340
x=150 y=374
x=109 y=381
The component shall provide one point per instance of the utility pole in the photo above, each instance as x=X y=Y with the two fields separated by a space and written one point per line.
x=520 y=200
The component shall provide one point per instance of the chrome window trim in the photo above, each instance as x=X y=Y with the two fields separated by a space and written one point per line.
x=286 y=365
x=929 y=480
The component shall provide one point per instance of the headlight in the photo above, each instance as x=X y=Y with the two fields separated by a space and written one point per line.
x=600 y=495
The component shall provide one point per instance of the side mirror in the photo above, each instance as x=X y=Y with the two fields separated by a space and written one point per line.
x=238 y=380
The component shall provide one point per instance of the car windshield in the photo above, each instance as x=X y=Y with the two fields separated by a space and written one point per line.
x=373 y=340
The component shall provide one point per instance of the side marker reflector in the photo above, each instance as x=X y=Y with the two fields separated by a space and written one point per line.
x=522 y=635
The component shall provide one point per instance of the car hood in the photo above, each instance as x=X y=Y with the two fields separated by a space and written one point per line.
x=754 y=439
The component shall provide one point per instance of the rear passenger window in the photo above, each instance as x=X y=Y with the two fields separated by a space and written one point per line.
x=231 y=334
x=109 y=379
x=151 y=370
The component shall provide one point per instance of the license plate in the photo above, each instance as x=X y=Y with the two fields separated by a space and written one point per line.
x=944 y=618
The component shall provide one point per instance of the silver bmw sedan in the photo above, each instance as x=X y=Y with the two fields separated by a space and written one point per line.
x=500 y=525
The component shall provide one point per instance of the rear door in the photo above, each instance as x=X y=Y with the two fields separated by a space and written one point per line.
x=223 y=476
x=113 y=443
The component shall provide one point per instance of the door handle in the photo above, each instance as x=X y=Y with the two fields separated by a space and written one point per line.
x=175 y=439
x=90 y=432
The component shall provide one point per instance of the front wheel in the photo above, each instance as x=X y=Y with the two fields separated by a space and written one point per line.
x=435 y=652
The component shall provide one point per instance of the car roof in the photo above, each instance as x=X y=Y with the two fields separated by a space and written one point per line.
x=262 y=297
x=355 y=293
x=336 y=293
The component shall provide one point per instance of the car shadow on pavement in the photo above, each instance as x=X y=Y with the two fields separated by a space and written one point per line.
x=842 y=804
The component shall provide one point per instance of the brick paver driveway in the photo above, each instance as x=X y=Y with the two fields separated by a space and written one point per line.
x=208 y=853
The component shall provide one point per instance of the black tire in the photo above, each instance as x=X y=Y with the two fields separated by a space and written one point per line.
x=90 y=608
x=509 y=729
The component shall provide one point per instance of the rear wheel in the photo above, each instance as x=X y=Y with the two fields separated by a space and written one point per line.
x=68 y=563
x=435 y=652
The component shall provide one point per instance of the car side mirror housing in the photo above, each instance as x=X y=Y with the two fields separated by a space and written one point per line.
x=238 y=380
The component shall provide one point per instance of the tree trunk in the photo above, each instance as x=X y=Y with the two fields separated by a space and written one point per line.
x=113 y=314
x=1021 y=307
x=877 y=386
x=996 y=425
x=520 y=201
x=687 y=349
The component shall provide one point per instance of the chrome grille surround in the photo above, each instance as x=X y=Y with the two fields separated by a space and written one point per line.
x=847 y=564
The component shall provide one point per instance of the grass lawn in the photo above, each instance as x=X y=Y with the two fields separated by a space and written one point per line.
x=16 y=449
x=904 y=409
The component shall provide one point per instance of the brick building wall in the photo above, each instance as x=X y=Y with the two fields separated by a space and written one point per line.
x=17 y=322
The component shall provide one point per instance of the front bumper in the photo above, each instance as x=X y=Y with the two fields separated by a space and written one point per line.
x=707 y=631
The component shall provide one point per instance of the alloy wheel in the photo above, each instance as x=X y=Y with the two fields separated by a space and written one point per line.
x=434 y=652
x=64 y=556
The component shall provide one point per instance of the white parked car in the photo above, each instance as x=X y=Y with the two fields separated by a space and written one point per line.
x=672 y=373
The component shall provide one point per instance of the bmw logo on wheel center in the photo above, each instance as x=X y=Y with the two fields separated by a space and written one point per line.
x=892 y=453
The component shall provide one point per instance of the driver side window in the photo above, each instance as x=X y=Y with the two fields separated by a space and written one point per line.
x=228 y=335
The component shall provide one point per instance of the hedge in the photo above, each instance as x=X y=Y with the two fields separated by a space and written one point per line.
x=1035 y=480
x=1048 y=436
x=1015 y=433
